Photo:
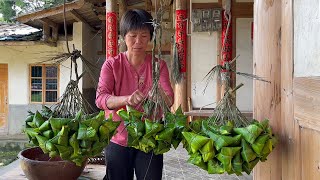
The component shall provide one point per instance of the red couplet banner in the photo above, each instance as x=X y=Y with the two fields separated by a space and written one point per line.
x=181 y=38
x=227 y=48
x=111 y=34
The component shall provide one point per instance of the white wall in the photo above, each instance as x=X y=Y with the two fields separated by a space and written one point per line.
x=244 y=63
x=19 y=57
x=203 y=58
x=306 y=38
x=65 y=67
x=92 y=43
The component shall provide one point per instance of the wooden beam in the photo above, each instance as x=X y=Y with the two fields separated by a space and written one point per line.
x=242 y=10
x=205 y=5
x=267 y=96
x=78 y=17
x=96 y=1
x=48 y=22
x=51 y=11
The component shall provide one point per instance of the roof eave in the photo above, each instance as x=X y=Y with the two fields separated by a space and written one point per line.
x=50 y=11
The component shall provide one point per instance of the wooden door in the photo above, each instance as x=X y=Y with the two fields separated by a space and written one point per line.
x=3 y=98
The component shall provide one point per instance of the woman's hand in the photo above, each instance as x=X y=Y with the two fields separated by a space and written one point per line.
x=135 y=98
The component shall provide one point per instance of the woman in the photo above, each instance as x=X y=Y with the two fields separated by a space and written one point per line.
x=125 y=80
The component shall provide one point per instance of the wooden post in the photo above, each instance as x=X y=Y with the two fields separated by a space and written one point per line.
x=180 y=90
x=267 y=64
x=111 y=29
x=55 y=34
x=122 y=10
x=46 y=32
x=290 y=139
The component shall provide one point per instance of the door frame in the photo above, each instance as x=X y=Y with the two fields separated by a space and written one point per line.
x=4 y=129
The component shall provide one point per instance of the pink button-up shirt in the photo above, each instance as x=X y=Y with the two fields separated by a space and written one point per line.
x=119 y=78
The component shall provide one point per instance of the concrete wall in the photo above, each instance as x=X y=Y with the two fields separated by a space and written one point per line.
x=91 y=44
x=244 y=63
x=19 y=57
x=306 y=38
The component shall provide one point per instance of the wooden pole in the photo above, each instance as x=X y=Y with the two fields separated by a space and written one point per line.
x=181 y=88
x=122 y=10
x=111 y=29
x=267 y=64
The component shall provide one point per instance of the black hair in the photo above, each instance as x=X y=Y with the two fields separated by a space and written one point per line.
x=136 y=19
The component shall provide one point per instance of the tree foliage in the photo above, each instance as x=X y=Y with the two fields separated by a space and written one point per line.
x=11 y=8
x=7 y=11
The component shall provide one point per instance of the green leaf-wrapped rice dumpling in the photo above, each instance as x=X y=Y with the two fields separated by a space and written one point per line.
x=195 y=141
x=249 y=133
x=74 y=139
x=208 y=151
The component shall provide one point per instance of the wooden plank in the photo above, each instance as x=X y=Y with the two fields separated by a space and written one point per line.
x=267 y=96
x=290 y=135
x=78 y=17
x=307 y=101
x=51 y=11
x=310 y=159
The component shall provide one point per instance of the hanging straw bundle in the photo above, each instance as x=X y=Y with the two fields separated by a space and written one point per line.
x=154 y=104
x=226 y=110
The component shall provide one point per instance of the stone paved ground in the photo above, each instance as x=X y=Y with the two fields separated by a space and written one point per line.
x=175 y=168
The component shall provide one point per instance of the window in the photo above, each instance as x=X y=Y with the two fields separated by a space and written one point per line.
x=44 y=83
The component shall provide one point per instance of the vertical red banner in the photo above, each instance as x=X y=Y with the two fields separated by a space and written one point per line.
x=181 y=38
x=111 y=34
x=227 y=47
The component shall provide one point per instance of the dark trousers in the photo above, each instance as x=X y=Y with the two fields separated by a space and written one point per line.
x=123 y=162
